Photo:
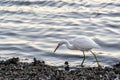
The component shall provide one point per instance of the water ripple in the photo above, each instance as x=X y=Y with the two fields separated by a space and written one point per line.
x=33 y=28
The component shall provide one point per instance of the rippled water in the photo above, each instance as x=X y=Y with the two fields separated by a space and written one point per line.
x=32 y=28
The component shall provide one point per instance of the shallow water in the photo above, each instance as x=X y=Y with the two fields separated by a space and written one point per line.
x=32 y=28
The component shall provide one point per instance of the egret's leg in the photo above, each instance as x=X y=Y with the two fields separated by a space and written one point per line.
x=83 y=59
x=96 y=58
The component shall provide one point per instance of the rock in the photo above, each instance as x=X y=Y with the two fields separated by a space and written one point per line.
x=12 y=61
x=38 y=70
x=66 y=66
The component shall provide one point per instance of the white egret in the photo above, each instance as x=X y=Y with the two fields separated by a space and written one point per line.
x=81 y=43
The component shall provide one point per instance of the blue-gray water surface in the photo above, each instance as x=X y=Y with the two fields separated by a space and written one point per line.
x=32 y=28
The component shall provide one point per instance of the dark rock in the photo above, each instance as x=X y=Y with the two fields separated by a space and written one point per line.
x=66 y=66
x=38 y=70
x=117 y=65
x=12 y=61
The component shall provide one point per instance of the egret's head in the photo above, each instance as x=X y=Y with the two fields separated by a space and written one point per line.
x=59 y=44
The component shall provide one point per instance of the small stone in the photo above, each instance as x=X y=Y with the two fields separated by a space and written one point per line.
x=66 y=66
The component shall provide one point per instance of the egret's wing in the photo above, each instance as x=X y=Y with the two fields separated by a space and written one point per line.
x=84 y=42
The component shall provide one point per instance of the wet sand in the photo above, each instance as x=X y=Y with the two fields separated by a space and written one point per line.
x=12 y=69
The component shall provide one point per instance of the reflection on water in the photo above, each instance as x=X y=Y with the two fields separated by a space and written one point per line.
x=32 y=29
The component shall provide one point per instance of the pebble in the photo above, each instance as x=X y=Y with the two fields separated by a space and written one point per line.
x=12 y=69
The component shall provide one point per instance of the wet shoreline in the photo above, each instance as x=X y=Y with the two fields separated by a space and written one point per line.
x=12 y=69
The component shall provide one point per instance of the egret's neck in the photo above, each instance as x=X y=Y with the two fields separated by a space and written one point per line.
x=67 y=43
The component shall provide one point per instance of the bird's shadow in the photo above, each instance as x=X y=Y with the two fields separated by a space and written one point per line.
x=59 y=55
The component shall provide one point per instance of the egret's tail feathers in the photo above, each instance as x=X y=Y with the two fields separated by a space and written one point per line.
x=97 y=47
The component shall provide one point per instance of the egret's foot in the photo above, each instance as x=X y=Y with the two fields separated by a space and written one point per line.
x=99 y=66
x=80 y=66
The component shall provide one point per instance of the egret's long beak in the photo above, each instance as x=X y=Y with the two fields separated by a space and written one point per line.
x=57 y=47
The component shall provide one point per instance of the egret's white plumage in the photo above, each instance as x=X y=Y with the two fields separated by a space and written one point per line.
x=84 y=43
x=81 y=43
